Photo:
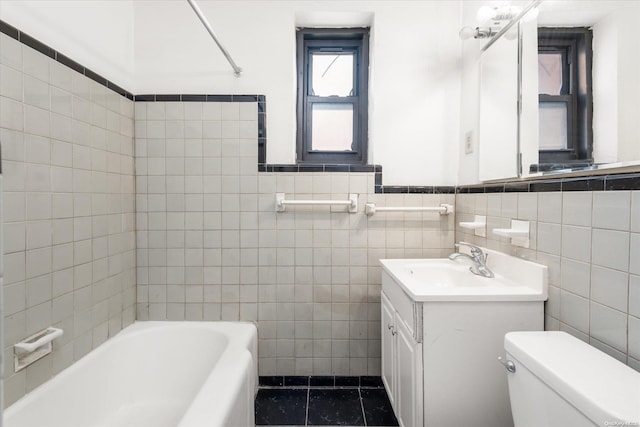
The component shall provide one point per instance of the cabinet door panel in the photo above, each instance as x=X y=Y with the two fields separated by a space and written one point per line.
x=388 y=349
x=409 y=403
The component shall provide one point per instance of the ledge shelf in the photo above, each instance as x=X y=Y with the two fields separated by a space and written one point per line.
x=518 y=233
x=478 y=225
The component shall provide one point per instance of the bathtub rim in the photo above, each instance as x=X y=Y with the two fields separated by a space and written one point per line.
x=246 y=341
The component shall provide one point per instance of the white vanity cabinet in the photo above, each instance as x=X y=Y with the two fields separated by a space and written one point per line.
x=402 y=359
x=442 y=331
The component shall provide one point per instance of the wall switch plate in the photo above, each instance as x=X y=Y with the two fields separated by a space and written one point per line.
x=468 y=142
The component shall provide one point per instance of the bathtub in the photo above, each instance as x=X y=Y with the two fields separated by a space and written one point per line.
x=153 y=374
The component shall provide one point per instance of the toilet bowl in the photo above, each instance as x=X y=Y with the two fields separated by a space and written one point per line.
x=562 y=381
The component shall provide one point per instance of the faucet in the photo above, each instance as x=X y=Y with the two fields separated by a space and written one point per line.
x=478 y=258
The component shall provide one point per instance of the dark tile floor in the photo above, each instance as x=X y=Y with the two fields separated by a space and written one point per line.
x=323 y=401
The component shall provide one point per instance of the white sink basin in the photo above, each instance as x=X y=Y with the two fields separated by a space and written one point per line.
x=445 y=280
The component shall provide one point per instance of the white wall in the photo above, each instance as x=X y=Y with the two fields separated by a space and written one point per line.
x=628 y=82
x=605 y=91
x=415 y=92
x=470 y=97
x=414 y=84
x=161 y=47
x=616 y=88
x=529 y=101
x=98 y=33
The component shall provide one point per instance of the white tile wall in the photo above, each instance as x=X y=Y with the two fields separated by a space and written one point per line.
x=68 y=201
x=211 y=247
x=589 y=242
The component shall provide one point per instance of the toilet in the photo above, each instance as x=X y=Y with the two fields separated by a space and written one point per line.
x=562 y=381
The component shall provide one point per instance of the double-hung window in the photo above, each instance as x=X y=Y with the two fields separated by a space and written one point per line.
x=332 y=95
x=565 y=95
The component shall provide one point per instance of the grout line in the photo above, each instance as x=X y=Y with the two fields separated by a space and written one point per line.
x=364 y=417
x=306 y=416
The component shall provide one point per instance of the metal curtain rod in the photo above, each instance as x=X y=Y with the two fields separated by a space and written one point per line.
x=236 y=70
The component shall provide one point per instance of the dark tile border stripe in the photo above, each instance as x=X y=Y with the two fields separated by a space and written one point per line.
x=613 y=182
x=188 y=97
x=622 y=182
x=316 y=168
x=27 y=40
x=318 y=381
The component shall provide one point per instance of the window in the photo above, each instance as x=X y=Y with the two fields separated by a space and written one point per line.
x=332 y=95
x=565 y=106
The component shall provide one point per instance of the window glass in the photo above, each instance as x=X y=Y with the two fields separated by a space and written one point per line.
x=332 y=74
x=550 y=73
x=552 y=131
x=331 y=127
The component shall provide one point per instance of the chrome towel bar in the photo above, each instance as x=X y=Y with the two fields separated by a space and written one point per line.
x=351 y=203
x=443 y=209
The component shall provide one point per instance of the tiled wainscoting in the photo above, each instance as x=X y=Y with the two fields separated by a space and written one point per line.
x=211 y=246
x=590 y=240
x=89 y=245
x=68 y=210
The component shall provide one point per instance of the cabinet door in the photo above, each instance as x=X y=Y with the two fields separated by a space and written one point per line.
x=409 y=401
x=388 y=348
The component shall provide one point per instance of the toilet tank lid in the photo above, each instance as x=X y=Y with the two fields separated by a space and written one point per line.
x=599 y=386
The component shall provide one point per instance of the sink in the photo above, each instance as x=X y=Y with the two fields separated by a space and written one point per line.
x=443 y=326
x=446 y=280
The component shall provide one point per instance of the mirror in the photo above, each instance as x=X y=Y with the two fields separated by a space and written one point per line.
x=498 y=130
x=577 y=128
x=506 y=95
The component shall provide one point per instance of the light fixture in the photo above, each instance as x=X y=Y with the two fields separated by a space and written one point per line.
x=497 y=13
x=491 y=19
x=477 y=33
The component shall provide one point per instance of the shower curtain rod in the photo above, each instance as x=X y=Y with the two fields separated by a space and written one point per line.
x=236 y=70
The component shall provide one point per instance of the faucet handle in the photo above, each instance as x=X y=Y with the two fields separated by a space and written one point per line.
x=475 y=251
x=473 y=248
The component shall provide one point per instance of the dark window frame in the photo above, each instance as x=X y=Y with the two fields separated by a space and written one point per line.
x=575 y=44
x=310 y=40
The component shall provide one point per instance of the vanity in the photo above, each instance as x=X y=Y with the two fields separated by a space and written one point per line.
x=442 y=331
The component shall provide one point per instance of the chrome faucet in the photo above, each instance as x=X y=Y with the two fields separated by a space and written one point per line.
x=478 y=258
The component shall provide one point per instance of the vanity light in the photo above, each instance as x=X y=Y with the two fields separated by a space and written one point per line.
x=491 y=19
x=477 y=33
x=497 y=14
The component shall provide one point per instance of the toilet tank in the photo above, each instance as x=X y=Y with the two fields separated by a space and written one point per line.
x=562 y=381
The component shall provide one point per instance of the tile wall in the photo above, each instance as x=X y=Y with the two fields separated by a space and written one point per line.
x=590 y=240
x=211 y=246
x=68 y=210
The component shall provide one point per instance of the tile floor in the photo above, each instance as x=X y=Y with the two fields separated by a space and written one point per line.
x=323 y=401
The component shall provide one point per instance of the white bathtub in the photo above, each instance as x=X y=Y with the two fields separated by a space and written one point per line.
x=186 y=374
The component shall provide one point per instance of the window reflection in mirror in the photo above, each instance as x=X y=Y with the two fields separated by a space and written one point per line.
x=565 y=128
x=568 y=137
